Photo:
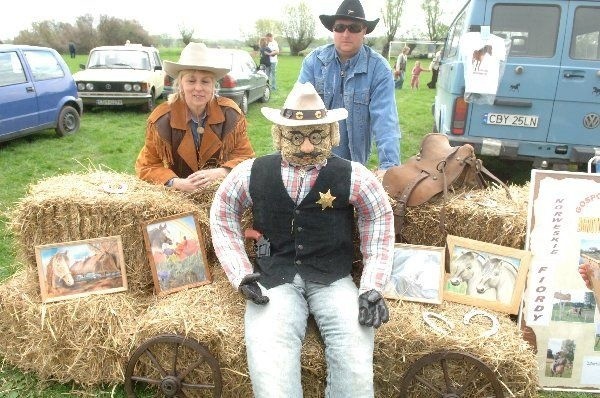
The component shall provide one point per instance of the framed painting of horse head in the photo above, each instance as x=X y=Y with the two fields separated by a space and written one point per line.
x=79 y=268
x=417 y=274
x=485 y=275
x=176 y=253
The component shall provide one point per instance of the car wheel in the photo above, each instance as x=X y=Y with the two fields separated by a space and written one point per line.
x=68 y=121
x=266 y=94
x=149 y=106
x=244 y=104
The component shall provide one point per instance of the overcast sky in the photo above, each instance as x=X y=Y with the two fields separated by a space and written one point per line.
x=210 y=20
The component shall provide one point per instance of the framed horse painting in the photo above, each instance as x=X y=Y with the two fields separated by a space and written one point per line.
x=417 y=274
x=485 y=275
x=79 y=268
x=176 y=253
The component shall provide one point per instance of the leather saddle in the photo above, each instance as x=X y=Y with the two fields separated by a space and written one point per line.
x=436 y=167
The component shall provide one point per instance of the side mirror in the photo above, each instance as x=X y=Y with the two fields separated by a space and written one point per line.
x=81 y=66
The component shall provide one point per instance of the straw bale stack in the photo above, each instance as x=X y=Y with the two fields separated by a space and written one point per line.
x=487 y=215
x=89 y=340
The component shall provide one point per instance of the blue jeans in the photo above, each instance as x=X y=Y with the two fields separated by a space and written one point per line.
x=275 y=332
x=273 y=75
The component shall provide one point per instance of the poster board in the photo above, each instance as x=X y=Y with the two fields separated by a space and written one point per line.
x=563 y=225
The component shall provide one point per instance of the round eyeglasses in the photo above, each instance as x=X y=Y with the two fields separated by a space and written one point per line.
x=315 y=137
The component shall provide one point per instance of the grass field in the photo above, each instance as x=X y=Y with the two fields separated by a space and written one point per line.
x=110 y=139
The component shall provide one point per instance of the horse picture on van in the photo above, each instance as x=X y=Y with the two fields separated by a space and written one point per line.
x=479 y=55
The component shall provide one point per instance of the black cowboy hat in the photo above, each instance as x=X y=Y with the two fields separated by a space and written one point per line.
x=349 y=9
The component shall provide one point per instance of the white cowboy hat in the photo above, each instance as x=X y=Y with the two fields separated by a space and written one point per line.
x=303 y=107
x=197 y=56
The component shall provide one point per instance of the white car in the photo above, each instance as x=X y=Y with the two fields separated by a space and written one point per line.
x=121 y=76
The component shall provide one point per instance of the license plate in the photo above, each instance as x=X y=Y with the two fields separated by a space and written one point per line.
x=507 y=119
x=109 y=102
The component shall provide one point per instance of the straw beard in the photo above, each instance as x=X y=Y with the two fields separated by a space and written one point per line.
x=292 y=153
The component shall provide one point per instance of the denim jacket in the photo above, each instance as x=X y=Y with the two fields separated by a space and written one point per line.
x=369 y=97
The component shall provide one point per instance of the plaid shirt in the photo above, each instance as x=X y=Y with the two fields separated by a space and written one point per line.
x=375 y=219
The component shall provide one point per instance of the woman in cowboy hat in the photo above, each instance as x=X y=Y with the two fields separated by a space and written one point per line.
x=348 y=74
x=196 y=137
x=303 y=201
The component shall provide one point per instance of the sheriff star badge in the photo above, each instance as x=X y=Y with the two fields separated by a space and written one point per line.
x=326 y=199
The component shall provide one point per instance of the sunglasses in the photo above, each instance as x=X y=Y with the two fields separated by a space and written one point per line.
x=353 y=27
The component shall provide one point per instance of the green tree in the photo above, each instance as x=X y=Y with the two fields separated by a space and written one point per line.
x=391 y=13
x=116 y=31
x=435 y=29
x=298 y=27
x=186 y=34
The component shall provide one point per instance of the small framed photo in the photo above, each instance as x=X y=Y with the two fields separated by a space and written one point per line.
x=485 y=275
x=81 y=268
x=417 y=274
x=176 y=253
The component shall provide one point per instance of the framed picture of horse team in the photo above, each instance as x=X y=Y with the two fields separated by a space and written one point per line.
x=81 y=268
x=417 y=274
x=485 y=274
x=176 y=253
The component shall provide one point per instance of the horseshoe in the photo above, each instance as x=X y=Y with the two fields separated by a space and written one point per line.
x=495 y=324
x=428 y=317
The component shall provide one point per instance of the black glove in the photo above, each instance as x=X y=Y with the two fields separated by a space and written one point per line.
x=372 y=310
x=250 y=289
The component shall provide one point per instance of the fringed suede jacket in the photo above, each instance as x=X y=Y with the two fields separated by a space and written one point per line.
x=169 y=150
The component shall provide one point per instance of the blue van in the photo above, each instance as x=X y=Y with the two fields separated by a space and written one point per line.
x=547 y=105
x=37 y=92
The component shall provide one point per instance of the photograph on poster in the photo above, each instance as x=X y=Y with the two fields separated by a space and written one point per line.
x=176 y=253
x=80 y=268
x=485 y=275
x=589 y=256
x=559 y=358
x=573 y=306
x=417 y=274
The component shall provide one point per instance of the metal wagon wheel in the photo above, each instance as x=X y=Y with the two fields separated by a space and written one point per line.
x=450 y=374
x=170 y=365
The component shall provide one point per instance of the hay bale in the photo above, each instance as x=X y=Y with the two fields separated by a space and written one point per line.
x=487 y=215
x=89 y=340
x=77 y=206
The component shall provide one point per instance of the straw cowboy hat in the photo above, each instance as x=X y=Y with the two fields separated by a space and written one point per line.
x=303 y=107
x=349 y=9
x=197 y=56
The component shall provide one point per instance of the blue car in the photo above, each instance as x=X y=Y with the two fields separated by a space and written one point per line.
x=37 y=92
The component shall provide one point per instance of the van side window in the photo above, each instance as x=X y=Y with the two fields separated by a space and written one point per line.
x=532 y=28
x=43 y=65
x=454 y=34
x=585 y=40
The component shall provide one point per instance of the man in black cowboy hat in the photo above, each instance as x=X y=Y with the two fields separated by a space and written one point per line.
x=348 y=74
x=303 y=202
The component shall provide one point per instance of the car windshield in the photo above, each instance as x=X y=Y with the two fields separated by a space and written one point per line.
x=111 y=59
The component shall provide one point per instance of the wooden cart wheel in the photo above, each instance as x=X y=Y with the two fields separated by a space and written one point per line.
x=450 y=374
x=170 y=365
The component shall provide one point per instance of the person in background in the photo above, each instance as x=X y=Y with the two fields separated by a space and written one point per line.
x=195 y=137
x=349 y=74
x=416 y=73
x=265 y=55
x=400 y=67
x=72 y=49
x=435 y=69
x=274 y=51
x=303 y=201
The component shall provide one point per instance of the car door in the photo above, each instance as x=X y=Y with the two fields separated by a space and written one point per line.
x=250 y=70
x=528 y=85
x=18 y=101
x=576 y=113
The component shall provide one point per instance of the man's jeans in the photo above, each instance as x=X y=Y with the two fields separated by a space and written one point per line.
x=275 y=331
x=273 y=75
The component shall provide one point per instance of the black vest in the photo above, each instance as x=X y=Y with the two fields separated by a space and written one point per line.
x=305 y=238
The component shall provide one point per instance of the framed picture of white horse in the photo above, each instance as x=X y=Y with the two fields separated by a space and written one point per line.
x=417 y=274
x=485 y=275
x=176 y=253
x=80 y=268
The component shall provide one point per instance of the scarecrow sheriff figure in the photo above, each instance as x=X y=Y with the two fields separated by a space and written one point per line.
x=303 y=200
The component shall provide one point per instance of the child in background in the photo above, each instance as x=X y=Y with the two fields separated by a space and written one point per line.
x=416 y=71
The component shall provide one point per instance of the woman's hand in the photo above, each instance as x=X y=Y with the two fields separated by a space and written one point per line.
x=200 y=179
